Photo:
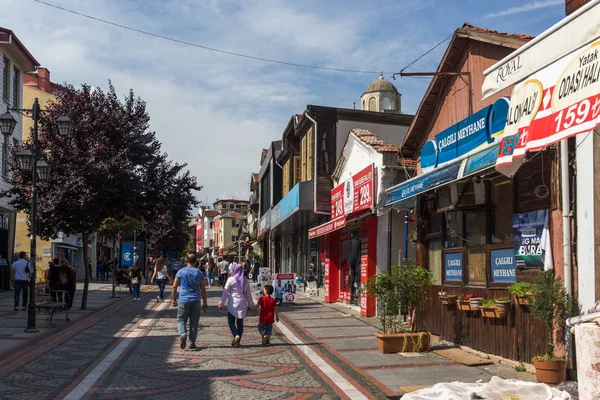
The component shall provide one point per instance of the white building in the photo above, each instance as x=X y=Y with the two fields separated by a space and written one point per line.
x=15 y=59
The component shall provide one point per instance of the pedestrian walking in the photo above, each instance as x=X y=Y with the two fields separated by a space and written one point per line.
x=239 y=299
x=255 y=270
x=211 y=268
x=161 y=275
x=268 y=314
x=99 y=269
x=19 y=276
x=71 y=281
x=191 y=284
x=136 y=279
x=224 y=270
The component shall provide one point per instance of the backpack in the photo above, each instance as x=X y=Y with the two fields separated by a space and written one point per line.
x=62 y=278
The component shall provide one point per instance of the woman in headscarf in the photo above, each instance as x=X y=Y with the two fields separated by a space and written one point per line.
x=239 y=298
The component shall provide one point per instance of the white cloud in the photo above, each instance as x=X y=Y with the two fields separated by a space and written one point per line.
x=536 y=5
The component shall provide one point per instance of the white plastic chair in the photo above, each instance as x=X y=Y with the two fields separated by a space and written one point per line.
x=311 y=288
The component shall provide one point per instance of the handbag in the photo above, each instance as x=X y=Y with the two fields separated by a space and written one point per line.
x=134 y=281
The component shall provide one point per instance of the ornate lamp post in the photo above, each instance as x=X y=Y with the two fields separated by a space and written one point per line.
x=32 y=159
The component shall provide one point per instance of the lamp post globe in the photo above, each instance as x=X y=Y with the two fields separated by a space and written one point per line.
x=64 y=125
x=43 y=169
x=7 y=124
x=25 y=159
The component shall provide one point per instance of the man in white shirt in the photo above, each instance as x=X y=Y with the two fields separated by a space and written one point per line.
x=19 y=275
x=224 y=270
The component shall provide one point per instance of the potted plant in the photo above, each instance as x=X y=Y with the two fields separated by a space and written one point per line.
x=447 y=298
x=521 y=291
x=488 y=308
x=400 y=291
x=552 y=305
x=475 y=303
x=503 y=305
x=464 y=303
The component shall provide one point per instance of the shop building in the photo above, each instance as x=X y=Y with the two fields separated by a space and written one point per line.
x=478 y=230
x=311 y=145
x=269 y=178
x=357 y=243
x=15 y=60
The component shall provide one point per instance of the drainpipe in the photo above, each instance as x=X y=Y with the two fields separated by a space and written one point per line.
x=566 y=214
x=405 y=235
x=315 y=169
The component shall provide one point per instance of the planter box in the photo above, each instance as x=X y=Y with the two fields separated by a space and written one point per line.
x=523 y=301
x=503 y=308
x=551 y=372
x=475 y=303
x=402 y=342
x=464 y=305
x=448 y=299
x=488 y=312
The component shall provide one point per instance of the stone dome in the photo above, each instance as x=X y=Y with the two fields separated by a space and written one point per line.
x=381 y=85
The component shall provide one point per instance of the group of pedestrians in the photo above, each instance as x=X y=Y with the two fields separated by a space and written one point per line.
x=59 y=277
x=189 y=290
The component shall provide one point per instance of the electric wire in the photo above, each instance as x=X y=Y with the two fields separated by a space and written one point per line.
x=427 y=52
x=213 y=49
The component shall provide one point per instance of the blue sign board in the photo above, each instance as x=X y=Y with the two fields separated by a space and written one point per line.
x=126 y=254
x=453 y=266
x=290 y=203
x=504 y=267
x=482 y=160
x=423 y=183
x=460 y=139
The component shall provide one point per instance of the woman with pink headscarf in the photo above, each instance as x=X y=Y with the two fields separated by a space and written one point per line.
x=239 y=298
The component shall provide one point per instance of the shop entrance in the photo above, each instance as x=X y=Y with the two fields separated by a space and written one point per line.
x=350 y=266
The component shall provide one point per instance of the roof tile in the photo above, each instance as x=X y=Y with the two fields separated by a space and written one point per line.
x=375 y=141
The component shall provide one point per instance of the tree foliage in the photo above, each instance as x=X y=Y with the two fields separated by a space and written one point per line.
x=110 y=166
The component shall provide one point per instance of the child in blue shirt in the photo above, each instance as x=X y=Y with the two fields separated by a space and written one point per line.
x=279 y=292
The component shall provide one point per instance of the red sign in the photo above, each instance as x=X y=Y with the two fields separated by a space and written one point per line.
x=284 y=276
x=353 y=195
x=327 y=227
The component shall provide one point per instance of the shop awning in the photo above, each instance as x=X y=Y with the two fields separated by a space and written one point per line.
x=454 y=171
x=557 y=87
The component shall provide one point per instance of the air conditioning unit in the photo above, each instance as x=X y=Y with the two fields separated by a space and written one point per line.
x=447 y=197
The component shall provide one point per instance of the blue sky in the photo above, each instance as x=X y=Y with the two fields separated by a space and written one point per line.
x=216 y=112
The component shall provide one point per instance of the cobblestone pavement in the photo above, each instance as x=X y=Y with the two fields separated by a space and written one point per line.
x=130 y=351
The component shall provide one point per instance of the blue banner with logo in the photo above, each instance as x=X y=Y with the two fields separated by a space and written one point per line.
x=480 y=161
x=453 y=266
x=504 y=267
x=423 y=183
x=126 y=254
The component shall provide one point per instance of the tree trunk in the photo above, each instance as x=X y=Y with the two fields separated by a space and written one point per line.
x=86 y=282
x=114 y=267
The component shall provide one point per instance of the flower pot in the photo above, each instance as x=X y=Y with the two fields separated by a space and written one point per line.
x=524 y=300
x=475 y=303
x=448 y=299
x=503 y=308
x=488 y=312
x=402 y=342
x=464 y=305
x=551 y=372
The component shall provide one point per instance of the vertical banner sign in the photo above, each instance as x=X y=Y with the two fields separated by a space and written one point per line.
x=364 y=276
x=453 y=266
x=337 y=202
x=504 y=268
x=127 y=254
x=199 y=236
x=368 y=263
x=285 y=284
x=528 y=228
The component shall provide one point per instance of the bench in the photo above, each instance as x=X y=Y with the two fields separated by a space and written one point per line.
x=53 y=302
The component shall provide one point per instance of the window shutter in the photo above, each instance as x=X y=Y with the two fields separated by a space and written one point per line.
x=303 y=157
x=297 y=169
x=286 y=177
x=309 y=152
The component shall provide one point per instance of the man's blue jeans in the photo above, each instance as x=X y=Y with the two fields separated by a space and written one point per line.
x=136 y=290
x=235 y=330
x=211 y=277
x=21 y=285
x=188 y=311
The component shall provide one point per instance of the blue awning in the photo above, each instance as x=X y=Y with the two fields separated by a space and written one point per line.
x=484 y=159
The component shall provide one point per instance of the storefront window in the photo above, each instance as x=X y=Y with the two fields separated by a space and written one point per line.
x=501 y=191
x=475 y=224
x=454 y=229
x=435 y=260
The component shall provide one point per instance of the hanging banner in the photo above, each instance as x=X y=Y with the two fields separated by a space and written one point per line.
x=528 y=229
x=199 y=225
x=558 y=102
x=126 y=254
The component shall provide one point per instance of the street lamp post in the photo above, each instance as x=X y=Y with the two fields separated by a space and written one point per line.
x=31 y=159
